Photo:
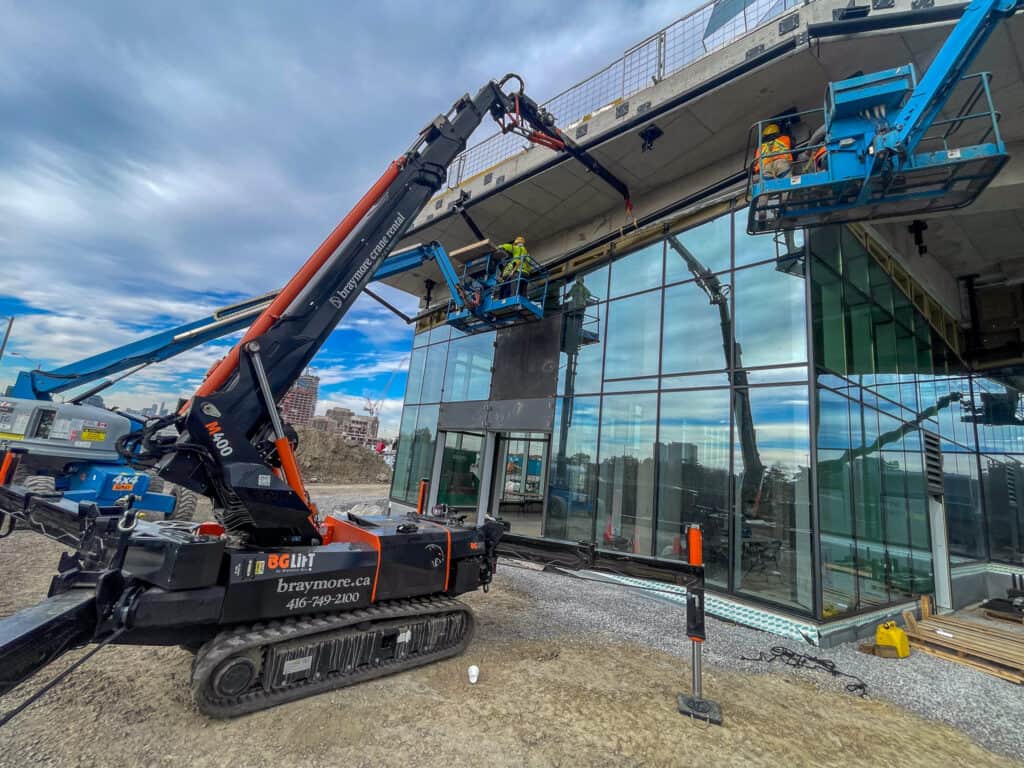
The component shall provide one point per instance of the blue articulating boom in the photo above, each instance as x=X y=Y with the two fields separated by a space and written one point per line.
x=42 y=385
x=884 y=153
x=481 y=299
x=71 y=447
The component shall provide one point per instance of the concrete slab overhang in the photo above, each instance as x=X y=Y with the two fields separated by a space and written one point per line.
x=705 y=112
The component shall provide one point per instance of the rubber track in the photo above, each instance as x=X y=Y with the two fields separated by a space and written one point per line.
x=262 y=636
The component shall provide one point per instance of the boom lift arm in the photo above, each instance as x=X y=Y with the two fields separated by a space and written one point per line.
x=42 y=385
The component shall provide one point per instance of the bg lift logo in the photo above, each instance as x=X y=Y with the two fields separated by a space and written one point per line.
x=279 y=563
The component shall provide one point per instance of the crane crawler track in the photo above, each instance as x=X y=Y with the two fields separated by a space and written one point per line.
x=257 y=666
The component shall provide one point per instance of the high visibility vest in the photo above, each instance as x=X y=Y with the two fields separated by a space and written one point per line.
x=520 y=261
x=780 y=144
x=820 y=155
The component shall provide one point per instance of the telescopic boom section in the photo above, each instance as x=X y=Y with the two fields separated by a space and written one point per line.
x=231 y=445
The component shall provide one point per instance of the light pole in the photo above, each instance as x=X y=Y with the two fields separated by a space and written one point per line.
x=39 y=363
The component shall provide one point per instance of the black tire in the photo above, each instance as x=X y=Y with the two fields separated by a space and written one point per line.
x=185 y=503
x=40 y=484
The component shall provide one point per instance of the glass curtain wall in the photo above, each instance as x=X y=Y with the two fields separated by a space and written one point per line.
x=697 y=368
x=445 y=366
x=683 y=397
x=883 y=375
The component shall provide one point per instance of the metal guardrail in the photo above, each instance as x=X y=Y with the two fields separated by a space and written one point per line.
x=671 y=49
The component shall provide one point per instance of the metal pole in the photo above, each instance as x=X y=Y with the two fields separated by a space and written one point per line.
x=697 y=660
x=695 y=705
x=7 y=335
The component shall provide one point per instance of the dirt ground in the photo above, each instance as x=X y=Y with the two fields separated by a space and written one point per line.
x=539 y=702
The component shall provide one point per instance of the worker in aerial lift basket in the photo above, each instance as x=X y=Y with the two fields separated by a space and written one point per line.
x=773 y=159
x=517 y=263
x=777 y=150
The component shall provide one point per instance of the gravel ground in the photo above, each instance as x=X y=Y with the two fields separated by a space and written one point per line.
x=573 y=673
x=988 y=709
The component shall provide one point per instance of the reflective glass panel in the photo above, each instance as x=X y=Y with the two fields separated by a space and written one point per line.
x=637 y=271
x=753 y=248
x=771 y=322
x=1003 y=480
x=572 y=482
x=709 y=244
x=625 y=503
x=773 y=512
x=433 y=373
x=693 y=477
x=634 y=326
x=421 y=464
x=695 y=329
x=582 y=353
x=415 y=384
x=468 y=372
x=403 y=458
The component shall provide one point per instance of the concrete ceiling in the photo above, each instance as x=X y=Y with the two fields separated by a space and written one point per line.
x=986 y=237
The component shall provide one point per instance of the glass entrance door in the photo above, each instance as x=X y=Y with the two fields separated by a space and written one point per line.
x=521 y=472
x=458 y=484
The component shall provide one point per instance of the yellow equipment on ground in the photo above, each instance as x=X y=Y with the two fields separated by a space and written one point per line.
x=891 y=641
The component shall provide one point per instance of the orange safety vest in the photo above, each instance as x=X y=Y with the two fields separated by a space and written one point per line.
x=780 y=144
x=820 y=158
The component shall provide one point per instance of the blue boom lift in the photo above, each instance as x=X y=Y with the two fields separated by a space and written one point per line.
x=885 y=153
x=70 y=447
x=481 y=298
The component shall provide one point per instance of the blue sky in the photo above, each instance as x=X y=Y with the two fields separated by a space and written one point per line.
x=159 y=160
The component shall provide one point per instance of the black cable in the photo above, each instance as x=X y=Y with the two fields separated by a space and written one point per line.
x=8 y=716
x=805 y=661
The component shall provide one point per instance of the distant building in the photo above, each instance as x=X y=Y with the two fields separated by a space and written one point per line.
x=325 y=424
x=299 y=402
x=341 y=415
x=362 y=429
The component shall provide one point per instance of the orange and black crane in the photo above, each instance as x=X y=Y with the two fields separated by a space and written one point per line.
x=350 y=597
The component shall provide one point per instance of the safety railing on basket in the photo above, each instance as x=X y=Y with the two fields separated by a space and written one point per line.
x=664 y=53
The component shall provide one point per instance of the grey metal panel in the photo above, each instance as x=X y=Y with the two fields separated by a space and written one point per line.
x=532 y=415
x=465 y=416
x=528 y=415
x=526 y=359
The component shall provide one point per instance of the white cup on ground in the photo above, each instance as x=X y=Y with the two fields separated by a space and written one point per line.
x=474 y=674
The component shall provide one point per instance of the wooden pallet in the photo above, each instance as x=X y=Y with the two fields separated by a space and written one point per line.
x=1004 y=616
x=993 y=650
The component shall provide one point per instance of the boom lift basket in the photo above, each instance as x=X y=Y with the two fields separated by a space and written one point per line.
x=950 y=166
x=486 y=301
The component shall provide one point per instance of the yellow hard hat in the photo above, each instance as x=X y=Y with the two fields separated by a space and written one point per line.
x=770 y=130
x=519 y=240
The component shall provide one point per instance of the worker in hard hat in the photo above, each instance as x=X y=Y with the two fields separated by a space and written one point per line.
x=777 y=150
x=516 y=264
x=579 y=296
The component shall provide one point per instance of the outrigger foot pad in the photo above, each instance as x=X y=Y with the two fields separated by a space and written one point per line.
x=700 y=709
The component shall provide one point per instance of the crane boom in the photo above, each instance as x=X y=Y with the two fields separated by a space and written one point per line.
x=232 y=444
